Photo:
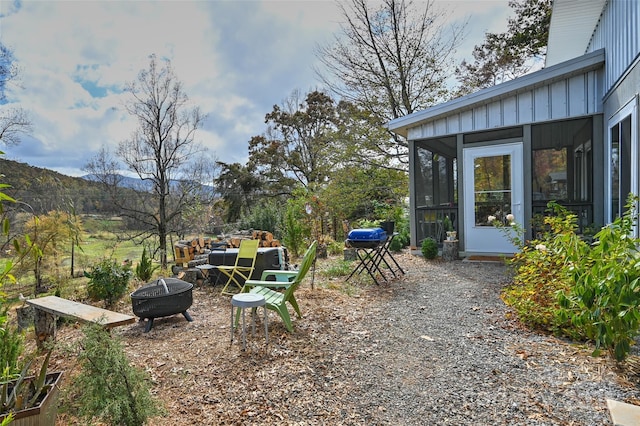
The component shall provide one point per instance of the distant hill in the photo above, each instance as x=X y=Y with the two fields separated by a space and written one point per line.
x=45 y=190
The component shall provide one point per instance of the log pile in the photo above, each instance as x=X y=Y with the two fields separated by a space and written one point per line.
x=187 y=250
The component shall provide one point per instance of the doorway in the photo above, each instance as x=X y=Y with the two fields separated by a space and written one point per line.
x=493 y=190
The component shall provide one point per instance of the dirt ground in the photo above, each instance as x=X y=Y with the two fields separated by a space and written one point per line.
x=201 y=378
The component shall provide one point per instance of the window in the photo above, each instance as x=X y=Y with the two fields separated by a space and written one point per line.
x=622 y=162
x=562 y=162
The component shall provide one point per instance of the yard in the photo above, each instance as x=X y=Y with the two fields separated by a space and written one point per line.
x=433 y=347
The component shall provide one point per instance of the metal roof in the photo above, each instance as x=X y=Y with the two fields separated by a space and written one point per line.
x=581 y=64
x=572 y=25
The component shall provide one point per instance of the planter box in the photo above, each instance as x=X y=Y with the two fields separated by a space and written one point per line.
x=45 y=413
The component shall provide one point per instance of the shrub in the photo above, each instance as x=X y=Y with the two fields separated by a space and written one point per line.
x=605 y=301
x=108 y=387
x=108 y=281
x=543 y=268
x=429 y=248
x=145 y=269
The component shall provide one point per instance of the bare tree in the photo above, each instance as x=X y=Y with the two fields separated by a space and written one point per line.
x=391 y=60
x=14 y=121
x=162 y=152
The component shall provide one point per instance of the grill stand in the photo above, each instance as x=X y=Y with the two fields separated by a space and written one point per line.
x=371 y=258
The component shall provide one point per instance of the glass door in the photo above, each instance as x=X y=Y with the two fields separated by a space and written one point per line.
x=493 y=190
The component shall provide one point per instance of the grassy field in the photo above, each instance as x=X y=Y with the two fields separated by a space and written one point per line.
x=101 y=239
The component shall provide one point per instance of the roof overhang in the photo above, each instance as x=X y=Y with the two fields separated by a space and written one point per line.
x=579 y=65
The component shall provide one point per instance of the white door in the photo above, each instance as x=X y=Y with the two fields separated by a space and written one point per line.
x=493 y=188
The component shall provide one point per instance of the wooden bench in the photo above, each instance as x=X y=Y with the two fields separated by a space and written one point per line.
x=47 y=308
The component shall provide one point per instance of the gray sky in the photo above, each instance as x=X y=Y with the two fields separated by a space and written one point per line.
x=236 y=60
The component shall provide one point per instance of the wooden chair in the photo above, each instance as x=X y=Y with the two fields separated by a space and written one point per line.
x=243 y=268
x=277 y=300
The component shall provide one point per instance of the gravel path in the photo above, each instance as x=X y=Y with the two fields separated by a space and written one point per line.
x=440 y=350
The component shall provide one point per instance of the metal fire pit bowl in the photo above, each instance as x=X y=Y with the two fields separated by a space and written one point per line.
x=161 y=298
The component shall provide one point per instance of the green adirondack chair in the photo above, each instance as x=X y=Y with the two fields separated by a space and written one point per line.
x=277 y=300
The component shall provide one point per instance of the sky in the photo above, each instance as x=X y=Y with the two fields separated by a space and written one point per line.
x=236 y=60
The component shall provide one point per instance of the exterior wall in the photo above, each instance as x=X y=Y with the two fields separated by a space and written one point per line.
x=574 y=96
x=623 y=92
x=621 y=47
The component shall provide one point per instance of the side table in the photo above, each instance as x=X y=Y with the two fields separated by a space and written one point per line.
x=244 y=301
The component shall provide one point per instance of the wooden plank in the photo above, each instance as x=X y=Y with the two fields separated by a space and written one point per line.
x=58 y=306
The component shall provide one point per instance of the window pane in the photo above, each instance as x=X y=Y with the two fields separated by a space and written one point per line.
x=492 y=192
x=550 y=174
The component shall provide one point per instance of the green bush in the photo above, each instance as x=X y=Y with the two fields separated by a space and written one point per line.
x=108 y=281
x=11 y=344
x=542 y=268
x=563 y=285
x=108 y=388
x=429 y=248
x=145 y=269
x=604 y=303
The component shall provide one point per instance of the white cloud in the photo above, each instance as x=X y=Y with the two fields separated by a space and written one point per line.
x=236 y=60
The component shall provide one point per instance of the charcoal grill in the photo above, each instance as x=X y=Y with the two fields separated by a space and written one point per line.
x=366 y=238
x=162 y=298
x=372 y=249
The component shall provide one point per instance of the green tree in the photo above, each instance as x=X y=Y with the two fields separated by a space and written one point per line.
x=162 y=152
x=299 y=147
x=108 y=387
x=238 y=187
x=505 y=56
x=48 y=233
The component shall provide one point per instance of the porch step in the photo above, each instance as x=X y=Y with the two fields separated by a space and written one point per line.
x=623 y=414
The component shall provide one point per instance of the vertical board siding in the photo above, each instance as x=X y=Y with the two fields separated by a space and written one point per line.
x=621 y=47
x=574 y=96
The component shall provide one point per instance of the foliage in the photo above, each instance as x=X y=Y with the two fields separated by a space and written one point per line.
x=239 y=188
x=145 y=269
x=429 y=248
x=403 y=238
x=339 y=269
x=294 y=232
x=19 y=392
x=266 y=216
x=108 y=281
x=335 y=248
x=162 y=152
x=542 y=268
x=505 y=56
x=108 y=387
x=47 y=233
x=11 y=342
x=563 y=285
x=605 y=301
x=299 y=147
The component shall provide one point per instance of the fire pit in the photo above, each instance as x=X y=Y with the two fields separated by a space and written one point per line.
x=161 y=298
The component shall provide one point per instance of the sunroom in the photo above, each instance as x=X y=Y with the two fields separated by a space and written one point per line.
x=508 y=150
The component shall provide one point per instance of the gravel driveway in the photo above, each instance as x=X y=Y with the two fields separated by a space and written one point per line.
x=441 y=350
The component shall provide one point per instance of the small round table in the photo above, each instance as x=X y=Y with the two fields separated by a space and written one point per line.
x=249 y=300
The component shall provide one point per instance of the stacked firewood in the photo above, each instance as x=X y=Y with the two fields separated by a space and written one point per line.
x=187 y=250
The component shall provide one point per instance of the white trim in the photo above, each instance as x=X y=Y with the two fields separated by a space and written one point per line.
x=487 y=239
x=629 y=109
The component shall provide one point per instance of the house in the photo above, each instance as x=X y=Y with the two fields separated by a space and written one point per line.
x=568 y=133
